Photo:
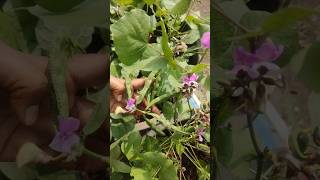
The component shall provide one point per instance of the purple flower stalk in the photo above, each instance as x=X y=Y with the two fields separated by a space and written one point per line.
x=66 y=138
x=131 y=104
x=205 y=40
x=263 y=56
x=200 y=134
x=190 y=80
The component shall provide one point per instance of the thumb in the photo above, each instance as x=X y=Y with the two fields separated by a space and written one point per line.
x=117 y=87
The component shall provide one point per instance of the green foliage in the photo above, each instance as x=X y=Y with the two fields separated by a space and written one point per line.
x=130 y=35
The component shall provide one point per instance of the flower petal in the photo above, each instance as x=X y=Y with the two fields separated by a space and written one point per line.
x=242 y=57
x=193 y=77
x=69 y=124
x=64 y=144
x=268 y=51
x=205 y=40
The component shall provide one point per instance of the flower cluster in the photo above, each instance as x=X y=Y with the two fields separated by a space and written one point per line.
x=259 y=62
x=189 y=83
x=131 y=105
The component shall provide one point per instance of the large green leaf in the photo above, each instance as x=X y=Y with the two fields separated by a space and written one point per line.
x=58 y=5
x=234 y=9
x=224 y=144
x=221 y=30
x=10 y=32
x=130 y=35
x=285 y=18
x=309 y=72
x=99 y=114
x=10 y=170
x=181 y=7
x=313 y=107
x=140 y=174
x=47 y=35
x=119 y=166
x=88 y=14
x=253 y=20
x=158 y=165
x=132 y=146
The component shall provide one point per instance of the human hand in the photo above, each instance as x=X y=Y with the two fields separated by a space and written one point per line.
x=25 y=107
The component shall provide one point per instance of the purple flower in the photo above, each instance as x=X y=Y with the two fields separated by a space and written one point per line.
x=131 y=104
x=200 y=133
x=66 y=138
x=262 y=57
x=205 y=40
x=190 y=80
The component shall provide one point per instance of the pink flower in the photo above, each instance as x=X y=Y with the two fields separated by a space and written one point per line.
x=131 y=104
x=262 y=57
x=190 y=80
x=200 y=133
x=205 y=40
x=66 y=138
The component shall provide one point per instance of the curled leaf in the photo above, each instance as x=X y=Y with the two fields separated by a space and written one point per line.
x=31 y=153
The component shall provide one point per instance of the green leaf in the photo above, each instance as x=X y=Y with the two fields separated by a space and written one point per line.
x=224 y=144
x=140 y=174
x=124 y=2
x=168 y=53
x=285 y=18
x=253 y=20
x=180 y=149
x=313 y=107
x=221 y=30
x=161 y=166
x=60 y=175
x=132 y=146
x=242 y=157
x=90 y=13
x=199 y=68
x=58 y=5
x=10 y=170
x=130 y=35
x=191 y=37
x=181 y=7
x=309 y=71
x=30 y=153
x=10 y=32
x=234 y=9
x=289 y=38
x=118 y=166
x=99 y=114
x=146 y=87
x=298 y=60
x=47 y=35
x=168 y=110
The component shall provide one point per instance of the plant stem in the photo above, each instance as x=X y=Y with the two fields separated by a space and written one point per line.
x=260 y=154
x=202 y=57
x=95 y=155
x=217 y=7
x=189 y=108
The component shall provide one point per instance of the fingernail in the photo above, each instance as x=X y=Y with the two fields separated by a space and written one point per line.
x=119 y=98
x=31 y=114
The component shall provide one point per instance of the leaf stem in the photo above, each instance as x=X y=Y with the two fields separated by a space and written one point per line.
x=95 y=155
x=202 y=57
